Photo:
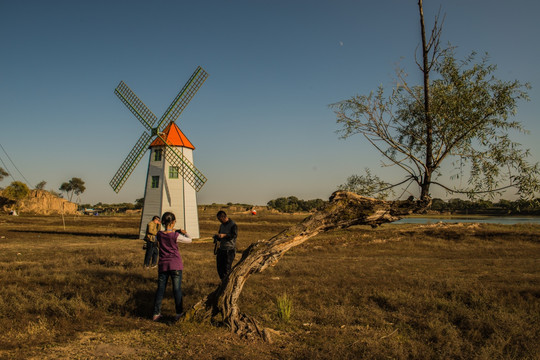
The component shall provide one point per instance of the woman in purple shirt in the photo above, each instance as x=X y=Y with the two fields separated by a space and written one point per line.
x=170 y=264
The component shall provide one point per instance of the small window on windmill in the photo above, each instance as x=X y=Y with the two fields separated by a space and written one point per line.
x=155 y=182
x=157 y=154
x=173 y=172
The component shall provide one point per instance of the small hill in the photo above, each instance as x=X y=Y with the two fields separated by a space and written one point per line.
x=40 y=202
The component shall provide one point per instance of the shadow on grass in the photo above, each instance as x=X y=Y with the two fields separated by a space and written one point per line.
x=139 y=301
x=76 y=233
x=141 y=304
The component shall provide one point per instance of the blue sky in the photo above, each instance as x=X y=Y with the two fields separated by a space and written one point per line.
x=261 y=123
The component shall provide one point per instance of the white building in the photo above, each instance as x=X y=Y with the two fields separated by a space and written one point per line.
x=166 y=189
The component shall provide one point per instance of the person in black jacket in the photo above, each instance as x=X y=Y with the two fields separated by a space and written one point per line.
x=226 y=236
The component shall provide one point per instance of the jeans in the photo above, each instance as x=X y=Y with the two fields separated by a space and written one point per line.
x=224 y=260
x=151 y=253
x=176 y=279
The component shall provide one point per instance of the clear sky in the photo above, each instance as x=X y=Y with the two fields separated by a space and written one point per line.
x=261 y=123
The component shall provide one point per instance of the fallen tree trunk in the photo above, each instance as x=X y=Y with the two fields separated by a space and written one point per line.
x=344 y=209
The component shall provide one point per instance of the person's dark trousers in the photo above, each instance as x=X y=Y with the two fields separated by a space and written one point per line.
x=224 y=260
x=151 y=253
x=176 y=279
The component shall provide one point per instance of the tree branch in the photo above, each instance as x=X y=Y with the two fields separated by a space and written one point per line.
x=457 y=191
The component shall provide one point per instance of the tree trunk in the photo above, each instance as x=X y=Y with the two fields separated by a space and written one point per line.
x=424 y=186
x=427 y=113
x=345 y=209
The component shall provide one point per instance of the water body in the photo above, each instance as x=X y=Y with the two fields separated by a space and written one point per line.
x=504 y=220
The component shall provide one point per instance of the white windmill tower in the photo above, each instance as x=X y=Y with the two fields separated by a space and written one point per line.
x=172 y=180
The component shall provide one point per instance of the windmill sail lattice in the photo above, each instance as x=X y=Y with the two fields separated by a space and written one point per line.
x=135 y=105
x=131 y=161
x=183 y=98
x=185 y=168
x=188 y=171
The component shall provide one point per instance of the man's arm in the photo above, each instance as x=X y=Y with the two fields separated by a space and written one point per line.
x=231 y=234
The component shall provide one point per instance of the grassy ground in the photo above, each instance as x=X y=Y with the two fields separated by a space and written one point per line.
x=400 y=291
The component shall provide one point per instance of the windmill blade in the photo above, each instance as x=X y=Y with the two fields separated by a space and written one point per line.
x=183 y=98
x=186 y=169
x=130 y=162
x=135 y=105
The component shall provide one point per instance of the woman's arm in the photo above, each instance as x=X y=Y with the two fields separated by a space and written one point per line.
x=183 y=237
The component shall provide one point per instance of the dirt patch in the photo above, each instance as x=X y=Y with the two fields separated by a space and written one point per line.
x=92 y=345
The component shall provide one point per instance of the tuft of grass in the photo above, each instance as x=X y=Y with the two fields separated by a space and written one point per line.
x=284 y=307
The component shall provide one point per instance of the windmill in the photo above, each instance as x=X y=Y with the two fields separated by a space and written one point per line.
x=172 y=180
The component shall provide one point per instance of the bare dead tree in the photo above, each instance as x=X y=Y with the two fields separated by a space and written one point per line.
x=344 y=209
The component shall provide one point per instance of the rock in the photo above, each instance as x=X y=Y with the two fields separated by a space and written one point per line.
x=43 y=203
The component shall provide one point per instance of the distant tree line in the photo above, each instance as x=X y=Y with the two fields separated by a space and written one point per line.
x=293 y=204
x=455 y=206
x=486 y=207
x=114 y=208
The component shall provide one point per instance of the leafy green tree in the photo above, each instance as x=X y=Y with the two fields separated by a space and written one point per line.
x=462 y=115
x=292 y=203
x=139 y=203
x=484 y=204
x=315 y=204
x=3 y=174
x=41 y=185
x=16 y=191
x=367 y=185
x=75 y=186
x=505 y=204
x=439 y=205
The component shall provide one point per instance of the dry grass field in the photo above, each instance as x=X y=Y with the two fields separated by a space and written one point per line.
x=396 y=292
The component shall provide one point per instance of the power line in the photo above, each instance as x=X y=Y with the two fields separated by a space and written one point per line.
x=15 y=166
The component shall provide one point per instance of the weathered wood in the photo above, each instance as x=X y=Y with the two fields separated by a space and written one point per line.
x=344 y=209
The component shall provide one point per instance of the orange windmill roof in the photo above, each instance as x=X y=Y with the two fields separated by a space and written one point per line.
x=174 y=137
